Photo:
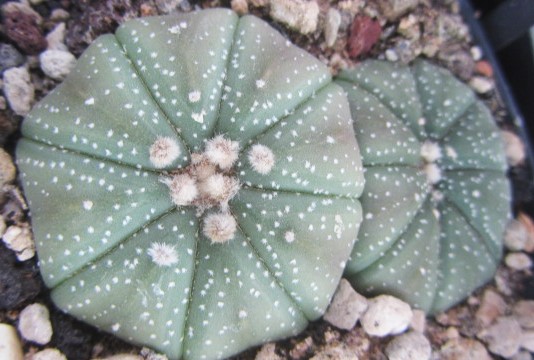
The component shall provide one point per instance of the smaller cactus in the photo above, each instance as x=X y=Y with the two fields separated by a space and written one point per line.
x=437 y=198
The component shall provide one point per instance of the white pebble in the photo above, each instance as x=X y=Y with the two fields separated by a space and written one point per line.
x=331 y=27
x=409 y=346
x=56 y=37
x=346 y=307
x=34 y=324
x=386 y=315
x=57 y=64
x=481 y=84
x=19 y=90
x=513 y=148
x=20 y=240
x=518 y=261
x=515 y=236
x=10 y=347
x=49 y=354
x=299 y=15
x=8 y=172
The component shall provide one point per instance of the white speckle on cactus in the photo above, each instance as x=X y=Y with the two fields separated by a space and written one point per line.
x=199 y=117
x=90 y=101
x=261 y=159
x=260 y=83
x=219 y=227
x=289 y=236
x=222 y=152
x=87 y=204
x=449 y=150
x=163 y=152
x=242 y=314
x=194 y=96
x=183 y=189
x=163 y=254
x=115 y=327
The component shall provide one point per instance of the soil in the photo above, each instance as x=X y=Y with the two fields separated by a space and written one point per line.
x=433 y=29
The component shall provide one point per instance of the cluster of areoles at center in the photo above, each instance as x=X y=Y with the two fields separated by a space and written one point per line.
x=431 y=153
x=209 y=181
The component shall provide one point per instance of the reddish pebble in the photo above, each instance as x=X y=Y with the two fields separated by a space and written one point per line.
x=23 y=30
x=484 y=68
x=364 y=33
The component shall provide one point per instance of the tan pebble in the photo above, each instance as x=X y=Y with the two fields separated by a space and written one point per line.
x=481 y=84
x=503 y=337
x=452 y=333
x=49 y=354
x=386 y=315
x=298 y=15
x=522 y=355
x=267 y=352
x=10 y=347
x=524 y=313
x=515 y=236
x=346 y=307
x=492 y=306
x=418 y=322
x=529 y=226
x=20 y=240
x=239 y=6
x=409 y=346
x=122 y=357
x=463 y=349
x=34 y=324
x=513 y=148
x=518 y=261
x=8 y=172
x=527 y=341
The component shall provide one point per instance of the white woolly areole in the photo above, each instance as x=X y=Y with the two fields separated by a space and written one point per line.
x=430 y=151
x=163 y=254
x=289 y=236
x=163 y=152
x=183 y=189
x=220 y=187
x=219 y=227
x=222 y=152
x=433 y=173
x=261 y=159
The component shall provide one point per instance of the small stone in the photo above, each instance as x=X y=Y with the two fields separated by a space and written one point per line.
x=346 y=307
x=9 y=57
x=518 y=261
x=515 y=236
x=522 y=355
x=59 y=14
x=409 y=27
x=18 y=89
x=331 y=26
x=240 y=6
x=22 y=26
x=481 y=84
x=418 y=323
x=391 y=55
x=34 y=324
x=56 y=38
x=10 y=347
x=8 y=172
x=503 y=337
x=19 y=239
x=128 y=357
x=524 y=313
x=409 y=346
x=57 y=64
x=463 y=349
x=452 y=333
x=492 y=307
x=484 y=68
x=386 y=315
x=3 y=103
x=336 y=352
x=513 y=148
x=49 y=354
x=529 y=226
x=527 y=341
x=267 y=352
x=364 y=33
x=476 y=53
x=167 y=6
x=3 y=226
x=301 y=348
x=393 y=9
x=299 y=15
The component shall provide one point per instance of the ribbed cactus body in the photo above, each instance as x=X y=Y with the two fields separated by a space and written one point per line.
x=437 y=198
x=193 y=185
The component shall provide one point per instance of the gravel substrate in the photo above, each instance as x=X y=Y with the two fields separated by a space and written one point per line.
x=39 y=41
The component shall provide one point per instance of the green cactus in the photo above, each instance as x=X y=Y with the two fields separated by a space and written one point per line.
x=193 y=185
x=437 y=198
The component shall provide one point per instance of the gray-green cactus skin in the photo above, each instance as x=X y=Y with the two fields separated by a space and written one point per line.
x=118 y=252
x=437 y=197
